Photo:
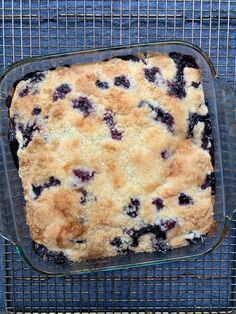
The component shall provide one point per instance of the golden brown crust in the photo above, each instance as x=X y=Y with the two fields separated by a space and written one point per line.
x=131 y=167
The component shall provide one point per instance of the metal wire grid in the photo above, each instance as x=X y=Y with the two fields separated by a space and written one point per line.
x=40 y=27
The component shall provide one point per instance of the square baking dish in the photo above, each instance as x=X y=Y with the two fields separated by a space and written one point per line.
x=12 y=216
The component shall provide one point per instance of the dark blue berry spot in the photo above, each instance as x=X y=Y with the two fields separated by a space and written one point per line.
x=165 y=154
x=160 y=245
x=184 y=199
x=129 y=58
x=149 y=229
x=84 y=175
x=24 y=92
x=38 y=189
x=158 y=202
x=102 y=84
x=116 y=242
x=132 y=208
x=34 y=77
x=8 y=101
x=210 y=181
x=61 y=92
x=150 y=74
x=28 y=131
x=83 y=104
x=168 y=224
x=57 y=256
x=109 y=120
x=163 y=117
x=196 y=84
x=177 y=86
x=36 y=111
x=197 y=238
x=122 y=81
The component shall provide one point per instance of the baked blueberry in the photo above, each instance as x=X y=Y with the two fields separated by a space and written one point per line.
x=28 y=131
x=160 y=245
x=122 y=81
x=196 y=84
x=84 y=175
x=57 y=256
x=102 y=84
x=8 y=101
x=34 y=77
x=38 y=189
x=132 y=208
x=165 y=154
x=150 y=74
x=163 y=117
x=83 y=104
x=176 y=87
x=129 y=58
x=36 y=111
x=116 y=242
x=196 y=238
x=185 y=199
x=168 y=224
x=61 y=92
x=210 y=181
x=109 y=120
x=158 y=202
x=24 y=91
x=149 y=229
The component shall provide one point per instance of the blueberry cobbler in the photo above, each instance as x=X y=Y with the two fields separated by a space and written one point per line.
x=115 y=157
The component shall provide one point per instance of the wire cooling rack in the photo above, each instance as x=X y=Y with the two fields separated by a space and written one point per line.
x=40 y=27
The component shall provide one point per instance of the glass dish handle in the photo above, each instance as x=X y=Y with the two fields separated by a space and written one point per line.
x=226 y=104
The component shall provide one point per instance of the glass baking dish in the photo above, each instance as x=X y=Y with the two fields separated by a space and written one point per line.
x=12 y=216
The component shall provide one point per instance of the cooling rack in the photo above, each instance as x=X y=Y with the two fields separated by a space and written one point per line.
x=35 y=27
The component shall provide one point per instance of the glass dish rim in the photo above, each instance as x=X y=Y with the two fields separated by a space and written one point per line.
x=105 y=49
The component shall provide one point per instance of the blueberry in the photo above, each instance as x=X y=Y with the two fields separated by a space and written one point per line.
x=184 y=199
x=102 y=84
x=210 y=181
x=67 y=65
x=57 y=256
x=207 y=137
x=150 y=74
x=109 y=120
x=129 y=58
x=38 y=189
x=116 y=242
x=183 y=60
x=165 y=154
x=8 y=101
x=34 y=77
x=149 y=229
x=168 y=224
x=61 y=92
x=36 y=111
x=163 y=117
x=176 y=87
x=52 y=182
x=197 y=238
x=132 y=208
x=12 y=129
x=83 y=104
x=83 y=198
x=158 y=202
x=84 y=175
x=28 y=131
x=24 y=92
x=122 y=81
x=196 y=84
x=160 y=245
